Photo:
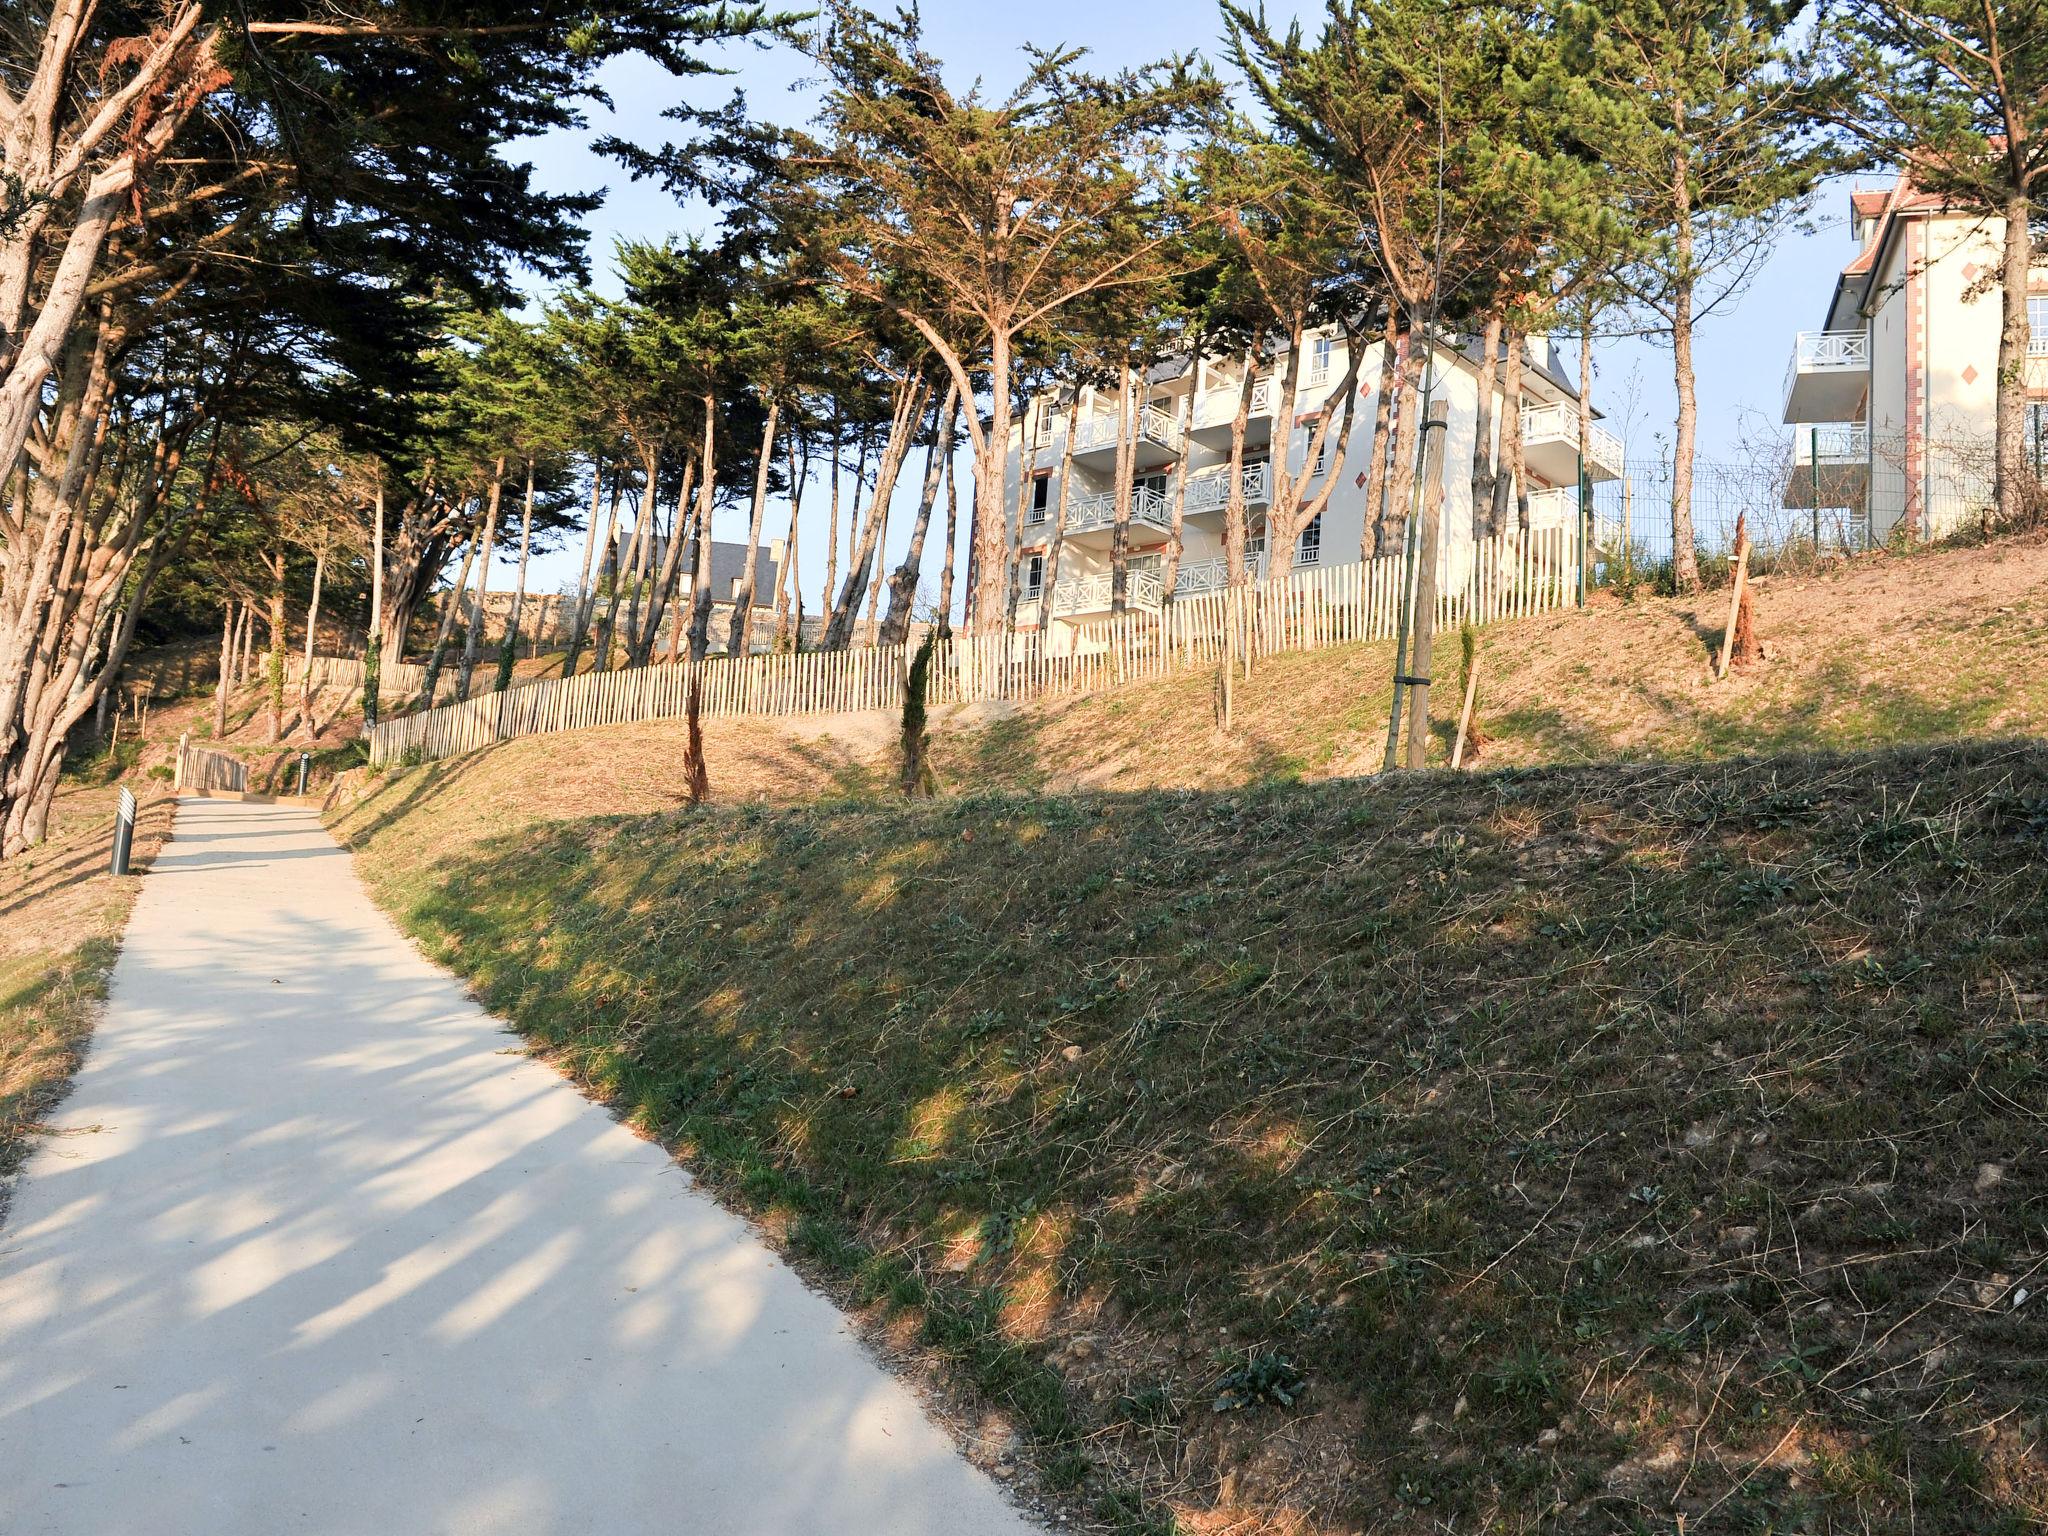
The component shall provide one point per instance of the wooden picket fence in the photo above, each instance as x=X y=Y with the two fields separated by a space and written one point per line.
x=200 y=769
x=398 y=679
x=1511 y=576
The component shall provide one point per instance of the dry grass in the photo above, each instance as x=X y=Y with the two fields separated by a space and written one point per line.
x=61 y=916
x=1883 y=651
x=1563 y=1150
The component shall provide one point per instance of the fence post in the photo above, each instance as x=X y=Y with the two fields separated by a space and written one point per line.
x=178 y=775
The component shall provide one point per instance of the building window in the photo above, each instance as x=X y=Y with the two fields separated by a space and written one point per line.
x=2037 y=326
x=1321 y=352
x=1041 y=498
x=1308 y=549
x=1322 y=461
x=1034 y=576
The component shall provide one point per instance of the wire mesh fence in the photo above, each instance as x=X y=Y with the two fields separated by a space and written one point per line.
x=1837 y=490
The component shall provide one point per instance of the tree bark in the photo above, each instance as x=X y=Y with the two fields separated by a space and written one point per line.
x=1513 y=482
x=1392 y=531
x=474 y=639
x=952 y=539
x=1483 y=460
x=903 y=584
x=508 y=652
x=700 y=573
x=586 y=594
x=312 y=628
x=1685 y=565
x=447 y=624
x=2013 y=478
x=1127 y=408
x=1236 y=531
x=1369 y=528
x=1059 y=527
x=740 y=635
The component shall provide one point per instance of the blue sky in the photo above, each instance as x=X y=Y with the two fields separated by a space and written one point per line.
x=1740 y=351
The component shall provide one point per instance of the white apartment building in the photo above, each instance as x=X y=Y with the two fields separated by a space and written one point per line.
x=1893 y=403
x=1081 y=587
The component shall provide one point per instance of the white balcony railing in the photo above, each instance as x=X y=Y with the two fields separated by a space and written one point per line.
x=1213 y=575
x=1089 y=513
x=1103 y=429
x=1219 y=404
x=1093 y=594
x=1828 y=352
x=1210 y=490
x=1552 y=507
x=1844 y=443
x=1818 y=350
x=1559 y=423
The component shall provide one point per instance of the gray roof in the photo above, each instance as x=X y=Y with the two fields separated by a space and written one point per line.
x=728 y=563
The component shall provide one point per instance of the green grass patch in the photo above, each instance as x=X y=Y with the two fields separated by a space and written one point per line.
x=1547 y=1150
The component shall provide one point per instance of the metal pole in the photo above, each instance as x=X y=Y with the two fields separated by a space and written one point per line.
x=1408 y=568
x=303 y=759
x=1813 y=478
x=124 y=831
x=1585 y=515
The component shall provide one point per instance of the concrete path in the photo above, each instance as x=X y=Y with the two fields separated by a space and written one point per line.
x=324 y=1256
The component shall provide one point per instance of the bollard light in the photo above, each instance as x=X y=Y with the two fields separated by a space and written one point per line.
x=124 y=831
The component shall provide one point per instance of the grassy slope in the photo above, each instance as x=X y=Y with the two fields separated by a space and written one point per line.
x=61 y=916
x=1887 y=650
x=1595 y=1145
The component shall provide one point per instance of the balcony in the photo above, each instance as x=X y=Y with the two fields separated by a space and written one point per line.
x=1158 y=438
x=1550 y=445
x=1151 y=513
x=1828 y=377
x=1830 y=466
x=1210 y=490
x=1217 y=409
x=1554 y=507
x=1085 y=596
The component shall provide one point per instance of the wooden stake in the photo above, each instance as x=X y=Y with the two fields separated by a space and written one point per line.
x=1465 y=716
x=1734 y=606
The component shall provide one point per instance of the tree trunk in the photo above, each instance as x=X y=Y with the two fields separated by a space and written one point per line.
x=1514 y=478
x=1483 y=460
x=1369 y=527
x=831 y=521
x=1423 y=646
x=1236 y=531
x=1128 y=405
x=586 y=595
x=1169 y=576
x=508 y=652
x=700 y=573
x=903 y=584
x=952 y=538
x=2013 y=479
x=1416 y=354
x=447 y=624
x=669 y=581
x=785 y=574
x=1685 y=565
x=274 y=621
x=645 y=529
x=740 y=635
x=227 y=668
x=312 y=628
x=906 y=413
x=991 y=455
x=1059 y=527
x=474 y=639
x=608 y=562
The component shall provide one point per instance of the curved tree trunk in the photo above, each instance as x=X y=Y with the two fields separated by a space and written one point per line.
x=740 y=635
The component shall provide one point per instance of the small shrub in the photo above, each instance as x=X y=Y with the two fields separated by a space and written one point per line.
x=1268 y=1378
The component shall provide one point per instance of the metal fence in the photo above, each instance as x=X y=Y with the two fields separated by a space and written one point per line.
x=1836 y=490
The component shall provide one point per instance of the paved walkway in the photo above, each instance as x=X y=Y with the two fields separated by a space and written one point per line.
x=324 y=1256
